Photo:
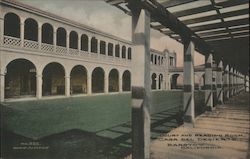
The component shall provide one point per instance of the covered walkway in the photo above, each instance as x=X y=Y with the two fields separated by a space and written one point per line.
x=220 y=134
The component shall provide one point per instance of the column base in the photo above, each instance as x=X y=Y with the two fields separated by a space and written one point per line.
x=188 y=119
x=208 y=108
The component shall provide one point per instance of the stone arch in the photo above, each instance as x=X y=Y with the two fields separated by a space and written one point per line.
x=78 y=80
x=93 y=45
x=53 y=79
x=31 y=29
x=114 y=80
x=61 y=36
x=126 y=81
x=153 y=79
x=73 y=40
x=176 y=81
x=98 y=80
x=20 y=79
x=47 y=33
x=84 y=42
x=12 y=25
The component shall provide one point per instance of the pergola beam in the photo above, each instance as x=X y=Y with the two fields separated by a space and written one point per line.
x=207 y=8
x=222 y=31
x=225 y=36
x=167 y=19
x=172 y=3
x=215 y=17
x=221 y=25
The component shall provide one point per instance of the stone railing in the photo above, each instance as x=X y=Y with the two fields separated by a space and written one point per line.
x=13 y=42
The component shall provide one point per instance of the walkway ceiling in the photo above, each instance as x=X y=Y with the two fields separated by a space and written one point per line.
x=220 y=27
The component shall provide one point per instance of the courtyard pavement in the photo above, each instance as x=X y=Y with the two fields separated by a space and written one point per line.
x=221 y=134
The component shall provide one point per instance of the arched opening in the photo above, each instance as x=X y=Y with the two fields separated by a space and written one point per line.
x=177 y=81
x=162 y=60
x=102 y=47
x=73 y=40
x=20 y=79
x=123 y=52
x=12 y=25
x=110 y=49
x=113 y=81
x=78 y=80
x=93 y=45
x=53 y=79
x=47 y=33
x=98 y=80
x=30 y=29
x=129 y=53
x=84 y=42
x=126 y=81
x=153 y=79
x=160 y=81
x=155 y=59
x=152 y=58
x=159 y=60
x=61 y=37
x=117 y=50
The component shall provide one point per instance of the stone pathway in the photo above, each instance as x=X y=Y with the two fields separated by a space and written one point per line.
x=221 y=134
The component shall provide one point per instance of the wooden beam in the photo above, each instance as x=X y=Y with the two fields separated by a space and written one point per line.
x=172 y=3
x=223 y=31
x=209 y=7
x=213 y=38
x=214 y=17
x=221 y=25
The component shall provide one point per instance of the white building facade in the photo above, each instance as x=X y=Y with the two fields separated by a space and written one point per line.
x=43 y=55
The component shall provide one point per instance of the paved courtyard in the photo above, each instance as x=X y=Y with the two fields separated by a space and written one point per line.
x=222 y=134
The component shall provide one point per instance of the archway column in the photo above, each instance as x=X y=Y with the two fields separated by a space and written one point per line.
x=120 y=84
x=39 y=35
x=54 y=38
x=79 y=43
x=67 y=41
x=226 y=82
x=39 y=84
x=89 y=85
x=97 y=47
x=246 y=82
x=188 y=81
x=219 y=82
x=67 y=86
x=106 y=83
x=234 y=82
x=157 y=82
x=2 y=86
x=89 y=44
x=22 y=31
x=231 y=81
x=209 y=82
x=1 y=29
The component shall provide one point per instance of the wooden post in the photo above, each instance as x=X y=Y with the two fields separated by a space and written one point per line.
x=140 y=83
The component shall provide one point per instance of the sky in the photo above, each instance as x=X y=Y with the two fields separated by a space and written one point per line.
x=102 y=16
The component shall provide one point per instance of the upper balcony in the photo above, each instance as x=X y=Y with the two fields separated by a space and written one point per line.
x=42 y=35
